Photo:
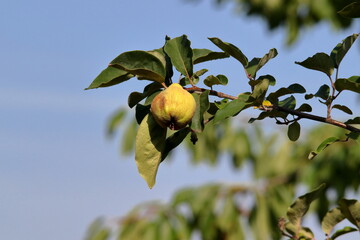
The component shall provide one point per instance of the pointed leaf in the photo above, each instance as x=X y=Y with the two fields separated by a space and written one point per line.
x=351 y=210
x=301 y=205
x=256 y=63
x=109 y=77
x=351 y=11
x=180 y=53
x=215 y=80
x=232 y=108
x=319 y=62
x=351 y=84
x=343 y=108
x=142 y=64
x=338 y=53
x=231 y=49
x=294 y=131
x=150 y=144
x=322 y=146
x=204 y=55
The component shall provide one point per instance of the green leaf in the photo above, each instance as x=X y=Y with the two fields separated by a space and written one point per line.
x=332 y=217
x=351 y=84
x=289 y=102
x=301 y=205
x=202 y=105
x=135 y=97
x=304 y=108
x=230 y=49
x=114 y=121
x=351 y=210
x=142 y=64
x=232 y=108
x=343 y=108
x=343 y=231
x=338 y=53
x=109 y=77
x=294 y=131
x=218 y=80
x=256 y=63
x=150 y=144
x=180 y=53
x=351 y=11
x=319 y=62
x=293 y=88
x=204 y=55
x=174 y=140
x=260 y=89
x=322 y=146
x=323 y=92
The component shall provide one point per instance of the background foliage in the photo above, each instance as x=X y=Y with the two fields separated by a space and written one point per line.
x=221 y=211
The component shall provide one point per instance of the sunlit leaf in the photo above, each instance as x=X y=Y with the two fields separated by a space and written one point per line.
x=230 y=49
x=203 y=55
x=142 y=64
x=180 y=53
x=150 y=144
x=338 y=53
x=109 y=77
x=320 y=62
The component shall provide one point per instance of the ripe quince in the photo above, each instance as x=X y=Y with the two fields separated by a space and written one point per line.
x=174 y=107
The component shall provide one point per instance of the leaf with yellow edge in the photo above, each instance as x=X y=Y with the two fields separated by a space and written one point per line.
x=150 y=145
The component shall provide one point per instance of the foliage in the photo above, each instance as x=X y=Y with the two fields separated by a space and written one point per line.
x=153 y=143
x=294 y=15
x=219 y=212
x=243 y=211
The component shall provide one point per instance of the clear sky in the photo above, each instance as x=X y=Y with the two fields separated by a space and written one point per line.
x=57 y=170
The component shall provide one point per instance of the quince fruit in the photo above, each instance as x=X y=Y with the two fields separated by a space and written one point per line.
x=174 y=107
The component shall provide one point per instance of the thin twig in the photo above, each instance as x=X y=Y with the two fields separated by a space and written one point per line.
x=212 y=92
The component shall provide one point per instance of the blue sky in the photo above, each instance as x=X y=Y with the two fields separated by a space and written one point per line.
x=57 y=170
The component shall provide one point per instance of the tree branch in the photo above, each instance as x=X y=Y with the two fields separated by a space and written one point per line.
x=212 y=92
x=316 y=118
